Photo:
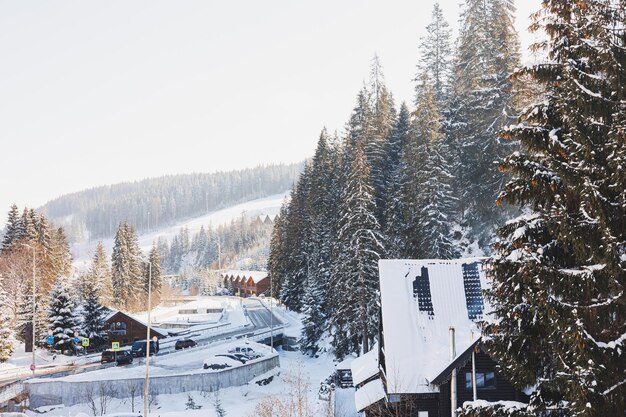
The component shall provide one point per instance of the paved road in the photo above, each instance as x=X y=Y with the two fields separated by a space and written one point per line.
x=258 y=314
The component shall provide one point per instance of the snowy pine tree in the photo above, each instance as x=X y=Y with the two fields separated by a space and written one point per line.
x=559 y=271
x=430 y=199
x=13 y=230
x=61 y=315
x=435 y=52
x=354 y=280
x=480 y=105
x=6 y=332
x=126 y=269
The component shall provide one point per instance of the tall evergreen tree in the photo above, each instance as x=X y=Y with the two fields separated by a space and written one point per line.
x=319 y=238
x=355 y=274
x=14 y=229
x=126 y=268
x=559 y=272
x=395 y=223
x=62 y=318
x=487 y=53
x=100 y=276
x=430 y=201
x=153 y=269
x=6 y=332
x=436 y=54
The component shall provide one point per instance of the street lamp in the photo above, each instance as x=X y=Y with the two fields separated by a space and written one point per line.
x=32 y=365
x=147 y=378
x=271 y=315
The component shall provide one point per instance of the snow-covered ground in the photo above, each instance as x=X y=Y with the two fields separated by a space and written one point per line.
x=268 y=206
x=236 y=401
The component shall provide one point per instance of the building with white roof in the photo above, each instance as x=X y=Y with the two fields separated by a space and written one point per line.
x=424 y=302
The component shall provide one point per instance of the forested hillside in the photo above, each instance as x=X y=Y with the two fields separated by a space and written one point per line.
x=418 y=180
x=155 y=202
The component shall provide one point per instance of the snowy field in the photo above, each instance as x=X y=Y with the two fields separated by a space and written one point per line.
x=268 y=206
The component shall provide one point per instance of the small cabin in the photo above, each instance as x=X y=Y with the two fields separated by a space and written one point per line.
x=122 y=328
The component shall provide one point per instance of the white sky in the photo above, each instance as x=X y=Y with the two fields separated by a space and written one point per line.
x=94 y=93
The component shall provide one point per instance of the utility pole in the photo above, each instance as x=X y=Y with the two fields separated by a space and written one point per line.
x=32 y=365
x=147 y=380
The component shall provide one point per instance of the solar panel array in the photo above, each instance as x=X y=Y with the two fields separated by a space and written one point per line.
x=421 y=290
x=473 y=291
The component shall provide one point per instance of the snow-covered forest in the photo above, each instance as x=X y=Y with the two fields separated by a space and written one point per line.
x=155 y=202
x=523 y=164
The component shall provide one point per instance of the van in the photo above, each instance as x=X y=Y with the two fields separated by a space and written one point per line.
x=138 y=348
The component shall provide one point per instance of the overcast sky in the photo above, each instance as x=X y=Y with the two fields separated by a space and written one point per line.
x=95 y=93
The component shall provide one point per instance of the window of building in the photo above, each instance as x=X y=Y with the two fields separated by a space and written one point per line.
x=483 y=380
x=118 y=328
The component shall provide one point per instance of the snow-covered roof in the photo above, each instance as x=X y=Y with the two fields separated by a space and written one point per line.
x=420 y=301
x=345 y=364
x=255 y=275
x=368 y=394
x=365 y=366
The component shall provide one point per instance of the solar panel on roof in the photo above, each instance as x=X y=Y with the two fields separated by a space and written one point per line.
x=421 y=290
x=473 y=291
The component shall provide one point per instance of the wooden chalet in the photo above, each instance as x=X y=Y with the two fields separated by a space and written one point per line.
x=429 y=359
x=120 y=327
x=247 y=283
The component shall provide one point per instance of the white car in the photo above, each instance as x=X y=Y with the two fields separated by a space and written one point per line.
x=220 y=362
x=246 y=350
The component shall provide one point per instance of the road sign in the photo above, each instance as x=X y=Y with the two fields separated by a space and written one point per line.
x=32 y=367
x=50 y=333
x=76 y=339
x=155 y=339
x=85 y=341
x=115 y=346
x=50 y=340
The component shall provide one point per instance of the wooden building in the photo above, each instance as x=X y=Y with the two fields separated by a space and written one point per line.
x=121 y=327
x=428 y=339
x=247 y=283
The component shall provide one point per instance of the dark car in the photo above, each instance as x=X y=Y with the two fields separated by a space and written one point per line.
x=138 y=348
x=124 y=357
x=184 y=344
x=107 y=356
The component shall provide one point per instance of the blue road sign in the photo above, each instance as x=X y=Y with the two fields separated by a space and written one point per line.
x=76 y=339
x=50 y=340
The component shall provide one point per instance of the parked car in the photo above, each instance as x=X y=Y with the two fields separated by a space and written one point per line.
x=220 y=362
x=236 y=356
x=184 y=344
x=246 y=350
x=124 y=357
x=138 y=348
x=107 y=356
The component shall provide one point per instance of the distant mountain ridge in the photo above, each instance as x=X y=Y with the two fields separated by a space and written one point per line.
x=156 y=202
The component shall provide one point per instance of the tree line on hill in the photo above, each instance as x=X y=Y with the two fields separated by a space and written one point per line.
x=152 y=203
x=243 y=243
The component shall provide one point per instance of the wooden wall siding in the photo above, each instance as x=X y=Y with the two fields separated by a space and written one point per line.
x=409 y=406
x=503 y=389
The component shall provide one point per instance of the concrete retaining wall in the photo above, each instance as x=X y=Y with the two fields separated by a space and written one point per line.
x=51 y=391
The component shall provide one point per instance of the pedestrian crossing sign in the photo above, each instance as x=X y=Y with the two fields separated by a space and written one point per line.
x=115 y=346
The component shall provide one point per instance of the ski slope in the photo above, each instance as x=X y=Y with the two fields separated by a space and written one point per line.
x=267 y=206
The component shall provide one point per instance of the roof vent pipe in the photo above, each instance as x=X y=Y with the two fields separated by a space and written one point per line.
x=453 y=377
